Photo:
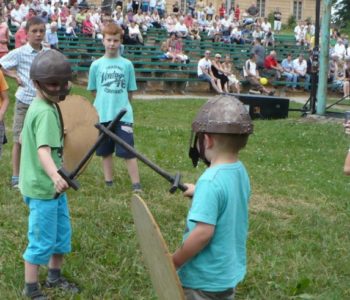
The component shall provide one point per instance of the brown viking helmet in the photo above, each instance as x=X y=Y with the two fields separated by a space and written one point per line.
x=52 y=66
x=221 y=114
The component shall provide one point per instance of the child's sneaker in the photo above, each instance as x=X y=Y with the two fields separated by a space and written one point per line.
x=136 y=188
x=62 y=284
x=35 y=295
x=14 y=182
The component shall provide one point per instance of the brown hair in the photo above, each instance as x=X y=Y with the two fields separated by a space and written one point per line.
x=112 y=29
x=34 y=21
x=230 y=142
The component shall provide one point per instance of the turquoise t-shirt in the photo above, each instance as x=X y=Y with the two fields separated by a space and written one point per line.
x=112 y=79
x=41 y=127
x=221 y=198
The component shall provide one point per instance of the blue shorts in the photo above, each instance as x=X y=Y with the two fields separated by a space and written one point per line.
x=49 y=229
x=108 y=146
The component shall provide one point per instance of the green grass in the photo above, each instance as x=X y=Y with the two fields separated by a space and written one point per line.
x=299 y=214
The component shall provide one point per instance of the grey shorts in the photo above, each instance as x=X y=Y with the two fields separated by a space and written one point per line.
x=190 y=294
x=20 y=114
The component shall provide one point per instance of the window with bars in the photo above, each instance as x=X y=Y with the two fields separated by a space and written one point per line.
x=297 y=9
x=260 y=4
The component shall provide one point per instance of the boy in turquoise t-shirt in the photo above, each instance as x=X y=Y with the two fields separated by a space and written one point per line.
x=212 y=259
x=112 y=81
x=49 y=229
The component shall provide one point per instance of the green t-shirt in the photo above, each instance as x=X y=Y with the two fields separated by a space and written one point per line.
x=41 y=128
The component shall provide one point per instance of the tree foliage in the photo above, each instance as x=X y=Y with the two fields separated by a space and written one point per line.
x=342 y=12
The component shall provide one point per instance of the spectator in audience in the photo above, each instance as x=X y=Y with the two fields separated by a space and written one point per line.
x=251 y=74
x=31 y=14
x=258 y=33
x=188 y=21
x=271 y=64
x=237 y=35
x=230 y=73
x=259 y=51
x=135 y=6
x=80 y=17
x=266 y=25
x=4 y=36
x=180 y=28
x=219 y=72
x=269 y=39
x=237 y=13
x=200 y=5
x=88 y=28
x=299 y=32
x=160 y=6
x=339 y=79
x=21 y=35
x=152 y=6
x=203 y=23
x=332 y=67
x=253 y=11
x=204 y=72
x=339 y=48
x=209 y=11
x=222 y=10
x=300 y=68
x=45 y=6
x=194 y=32
x=215 y=33
x=17 y=17
x=51 y=38
x=134 y=33
x=176 y=7
x=277 y=20
x=288 y=72
x=156 y=19
x=70 y=29
x=74 y=9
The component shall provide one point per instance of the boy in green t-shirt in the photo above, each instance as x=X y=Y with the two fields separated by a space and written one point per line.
x=49 y=229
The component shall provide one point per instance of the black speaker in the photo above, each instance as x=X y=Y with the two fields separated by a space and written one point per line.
x=265 y=107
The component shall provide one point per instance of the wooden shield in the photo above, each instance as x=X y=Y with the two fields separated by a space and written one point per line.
x=79 y=119
x=155 y=253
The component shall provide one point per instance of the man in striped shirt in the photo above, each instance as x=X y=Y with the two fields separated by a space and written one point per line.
x=16 y=64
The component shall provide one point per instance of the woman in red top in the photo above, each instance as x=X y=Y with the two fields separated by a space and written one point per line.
x=222 y=11
x=88 y=27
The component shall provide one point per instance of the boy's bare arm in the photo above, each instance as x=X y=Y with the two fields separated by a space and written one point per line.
x=5 y=103
x=50 y=168
x=12 y=74
x=195 y=242
x=130 y=95
x=347 y=159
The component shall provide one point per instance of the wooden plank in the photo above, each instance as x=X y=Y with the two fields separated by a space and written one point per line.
x=155 y=253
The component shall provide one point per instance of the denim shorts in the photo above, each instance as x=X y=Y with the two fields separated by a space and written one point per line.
x=108 y=146
x=49 y=229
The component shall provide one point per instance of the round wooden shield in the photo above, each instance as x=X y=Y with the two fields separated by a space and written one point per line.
x=155 y=253
x=79 y=119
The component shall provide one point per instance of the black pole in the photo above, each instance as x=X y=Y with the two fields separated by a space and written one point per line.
x=146 y=161
x=315 y=59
